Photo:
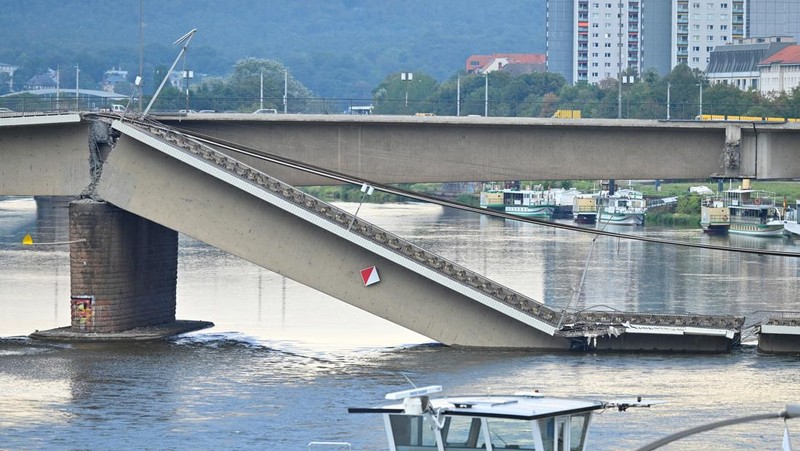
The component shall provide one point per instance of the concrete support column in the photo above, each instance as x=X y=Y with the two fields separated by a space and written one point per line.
x=124 y=274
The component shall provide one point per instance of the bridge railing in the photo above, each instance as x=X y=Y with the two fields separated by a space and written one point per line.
x=583 y=320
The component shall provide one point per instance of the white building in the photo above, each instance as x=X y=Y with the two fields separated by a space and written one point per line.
x=737 y=64
x=699 y=26
x=591 y=40
x=780 y=72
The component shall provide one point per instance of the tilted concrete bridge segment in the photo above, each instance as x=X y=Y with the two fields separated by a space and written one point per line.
x=180 y=184
x=402 y=149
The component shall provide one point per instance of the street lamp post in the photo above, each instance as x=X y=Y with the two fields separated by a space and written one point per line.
x=486 y=95
x=366 y=190
x=285 y=90
x=458 y=96
x=701 y=98
x=185 y=39
x=407 y=77
x=669 y=85
x=261 y=97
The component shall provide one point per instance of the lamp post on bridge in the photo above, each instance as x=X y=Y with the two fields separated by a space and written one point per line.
x=366 y=190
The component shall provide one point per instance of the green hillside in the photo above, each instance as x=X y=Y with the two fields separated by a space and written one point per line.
x=337 y=48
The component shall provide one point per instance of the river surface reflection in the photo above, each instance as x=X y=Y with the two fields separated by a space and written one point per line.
x=284 y=362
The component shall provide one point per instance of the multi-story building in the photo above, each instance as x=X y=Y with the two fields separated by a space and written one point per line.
x=780 y=72
x=701 y=25
x=773 y=18
x=737 y=64
x=591 y=40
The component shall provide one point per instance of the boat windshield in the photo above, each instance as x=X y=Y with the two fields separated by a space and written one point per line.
x=466 y=433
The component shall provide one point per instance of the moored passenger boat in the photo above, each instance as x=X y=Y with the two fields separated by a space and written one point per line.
x=791 y=225
x=624 y=207
x=584 y=208
x=520 y=202
x=714 y=215
x=753 y=212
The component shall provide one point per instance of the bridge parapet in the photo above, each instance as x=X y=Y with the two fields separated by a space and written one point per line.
x=584 y=325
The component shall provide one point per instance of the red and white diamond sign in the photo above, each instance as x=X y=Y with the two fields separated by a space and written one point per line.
x=370 y=276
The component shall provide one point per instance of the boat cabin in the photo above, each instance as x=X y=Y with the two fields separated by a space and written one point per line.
x=499 y=422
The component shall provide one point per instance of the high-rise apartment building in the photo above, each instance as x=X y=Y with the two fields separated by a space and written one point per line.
x=700 y=25
x=773 y=18
x=591 y=40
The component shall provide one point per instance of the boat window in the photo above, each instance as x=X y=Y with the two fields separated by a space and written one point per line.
x=511 y=434
x=463 y=433
x=548 y=428
x=578 y=425
x=411 y=433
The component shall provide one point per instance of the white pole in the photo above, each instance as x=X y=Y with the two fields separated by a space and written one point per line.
x=285 y=90
x=77 y=89
x=458 y=96
x=669 y=85
x=486 y=96
x=701 y=98
x=261 y=103
x=185 y=39
x=619 y=65
x=58 y=87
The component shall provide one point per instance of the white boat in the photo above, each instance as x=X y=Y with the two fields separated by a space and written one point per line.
x=624 y=207
x=584 y=208
x=791 y=225
x=531 y=421
x=753 y=212
x=714 y=215
x=520 y=202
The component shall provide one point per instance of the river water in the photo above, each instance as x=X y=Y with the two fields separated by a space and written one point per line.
x=284 y=362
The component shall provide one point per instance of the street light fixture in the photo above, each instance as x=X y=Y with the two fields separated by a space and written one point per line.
x=366 y=190
x=185 y=39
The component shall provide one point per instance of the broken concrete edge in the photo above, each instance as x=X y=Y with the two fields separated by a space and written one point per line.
x=146 y=333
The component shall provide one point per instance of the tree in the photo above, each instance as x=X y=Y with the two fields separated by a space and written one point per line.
x=394 y=95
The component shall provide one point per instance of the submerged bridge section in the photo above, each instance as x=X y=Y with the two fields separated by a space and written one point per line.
x=178 y=184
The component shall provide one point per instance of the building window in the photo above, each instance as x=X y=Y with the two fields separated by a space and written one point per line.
x=724 y=38
x=710 y=38
x=710 y=17
x=696 y=26
x=723 y=5
x=723 y=27
x=595 y=54
x=595 y=44
x=607 y=55
x=608 y=64
x=723 y=16
x=608 y=44
x=696 y=5
x=696 y=48
x=709 y=49
x=695 y=37
x=695 y=59
x=711 y=27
